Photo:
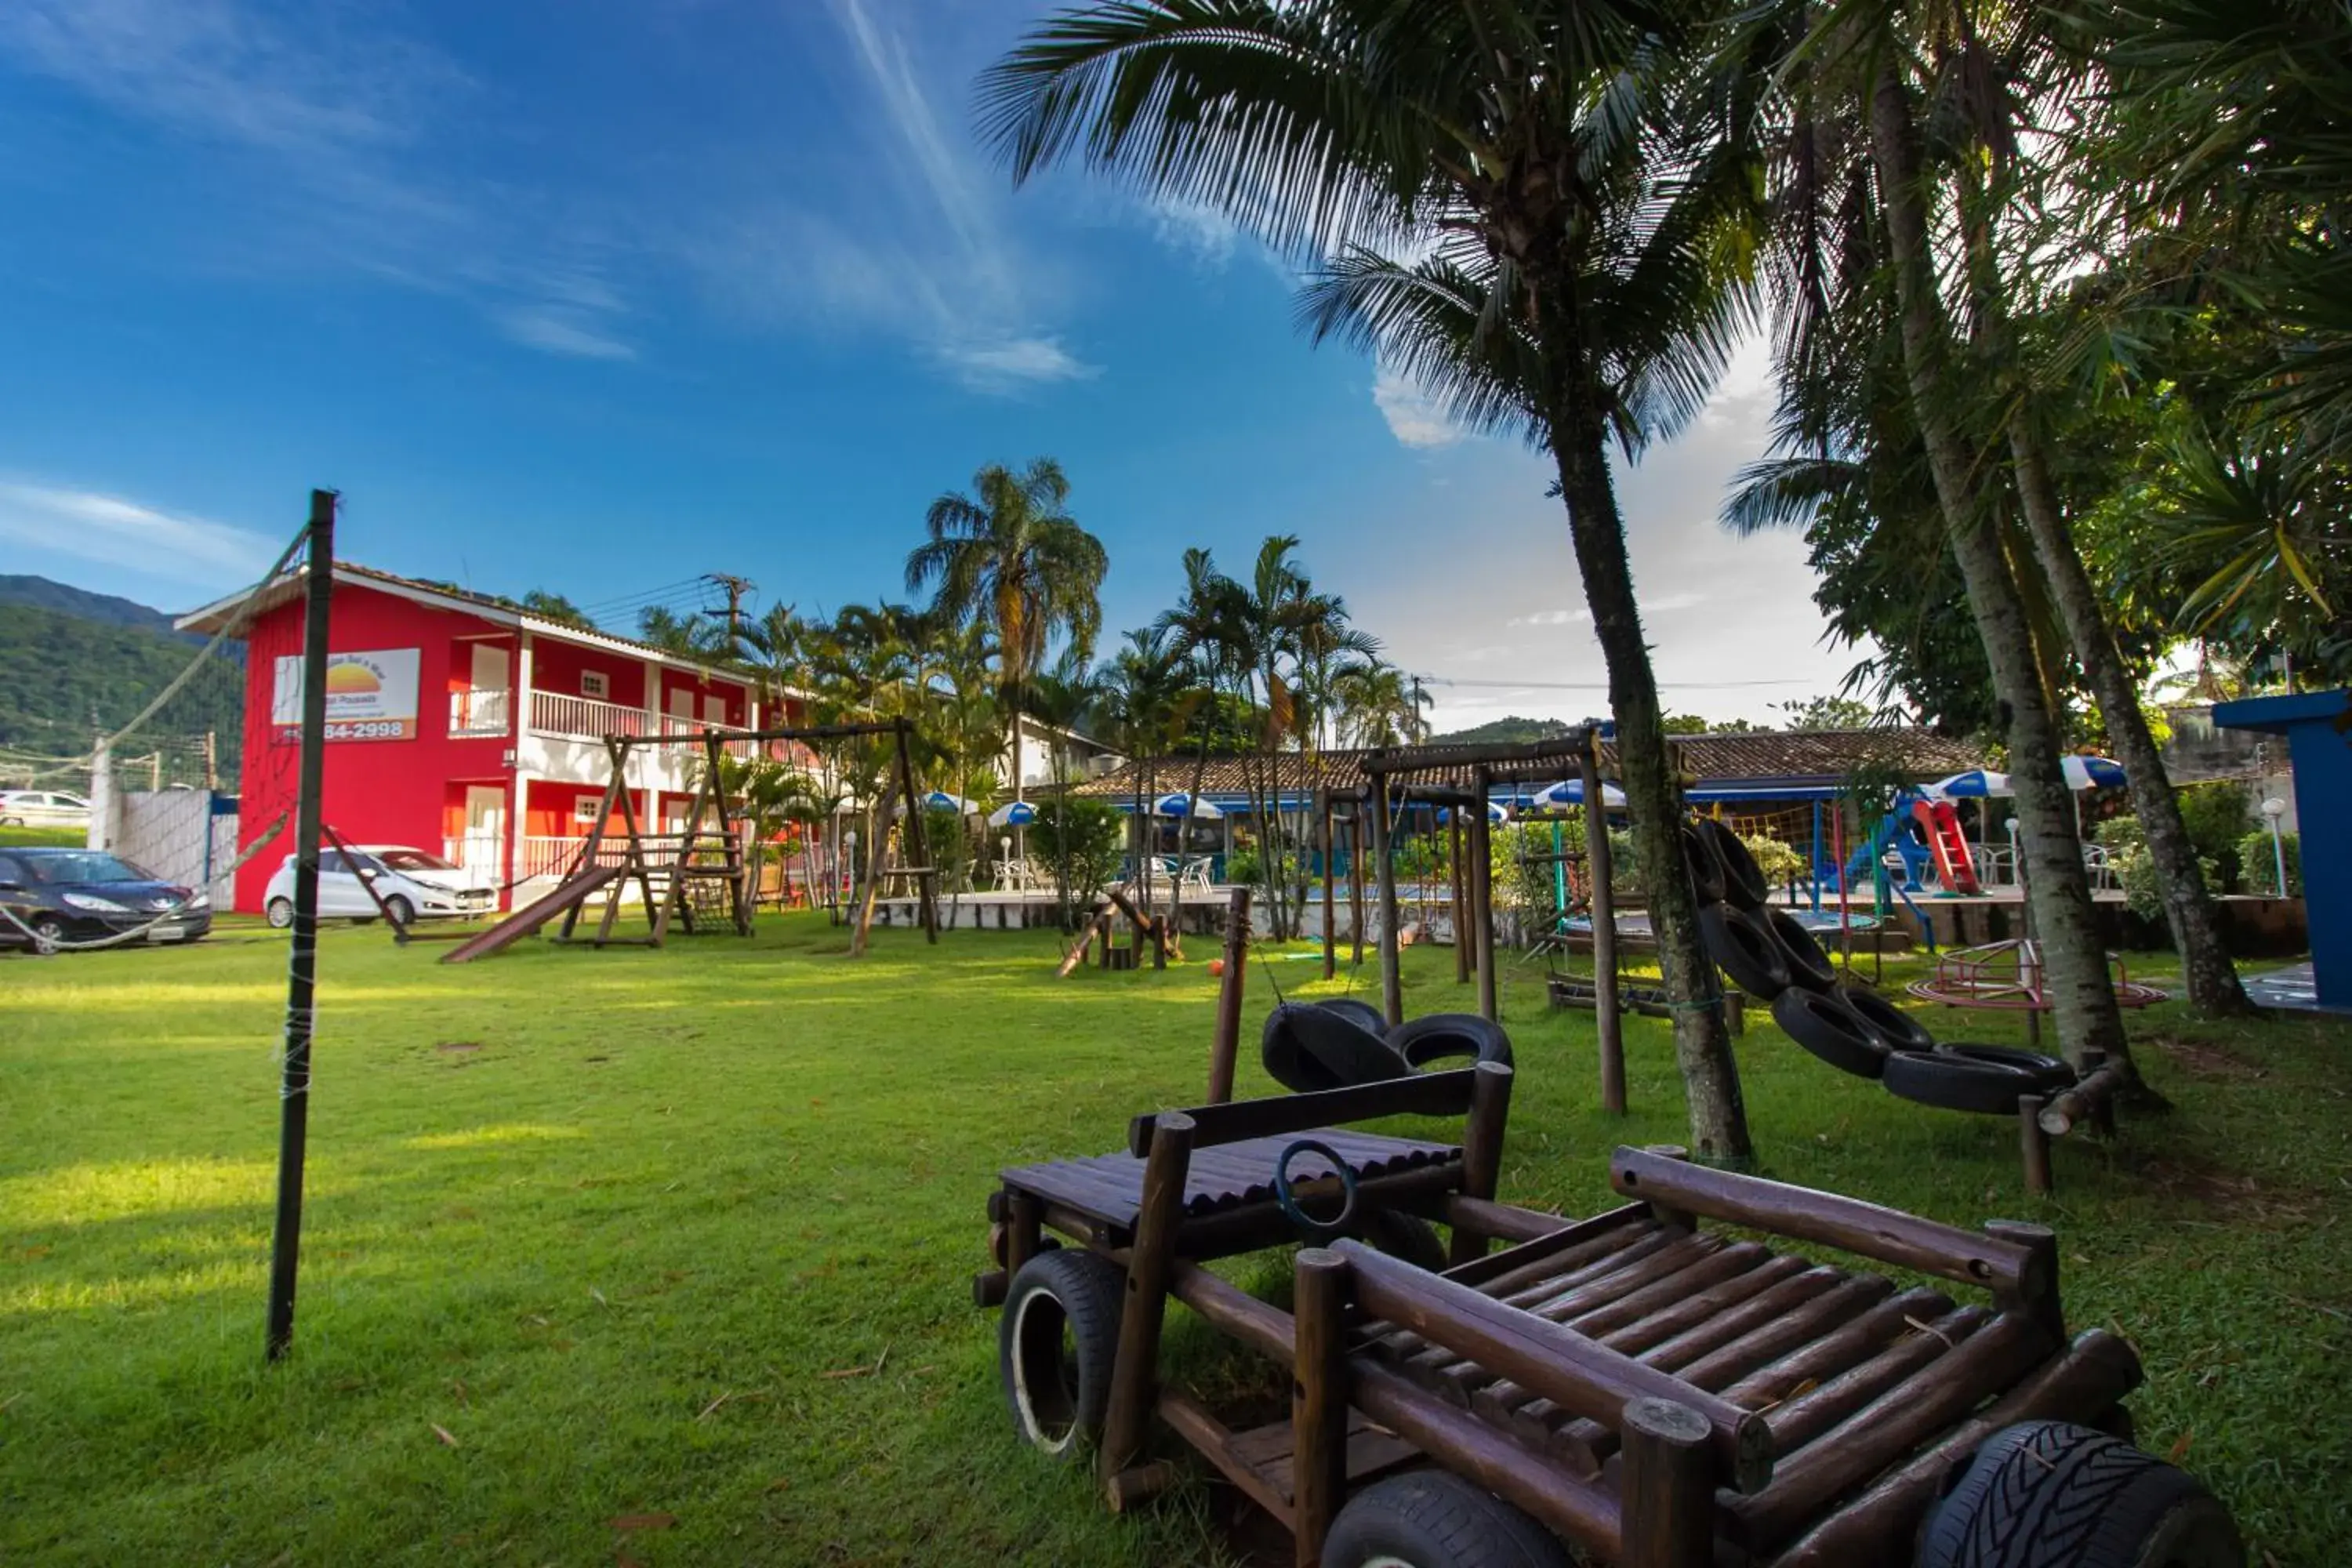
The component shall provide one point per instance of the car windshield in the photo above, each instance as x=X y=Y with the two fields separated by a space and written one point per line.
x=85 y=865
x=413 y=860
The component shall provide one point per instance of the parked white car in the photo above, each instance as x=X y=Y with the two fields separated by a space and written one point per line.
x=42 y=808
x=413 y=885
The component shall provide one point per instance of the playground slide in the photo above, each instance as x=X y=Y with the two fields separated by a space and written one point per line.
x=565 y=895
x=1956 y=869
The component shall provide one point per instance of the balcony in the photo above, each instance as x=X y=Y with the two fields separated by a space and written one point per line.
x=583 y=718
x=476 y=714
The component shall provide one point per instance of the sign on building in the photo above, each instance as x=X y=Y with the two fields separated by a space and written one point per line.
x=370 y=696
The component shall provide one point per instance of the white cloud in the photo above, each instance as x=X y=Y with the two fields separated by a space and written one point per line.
x=1003 y=364
x=1571 y=617
x=1204 y=234
x=118 y=532
x=562 y=329
x=1414 y=417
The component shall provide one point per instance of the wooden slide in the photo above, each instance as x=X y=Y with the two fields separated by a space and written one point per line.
x=565 y=895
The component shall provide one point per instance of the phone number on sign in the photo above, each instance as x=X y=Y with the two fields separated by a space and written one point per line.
x=371 y=729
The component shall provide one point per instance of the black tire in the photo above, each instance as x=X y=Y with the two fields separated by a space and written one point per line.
x=2048 y=1494
x=1810 y=964
x=1362 y=1013
x=1440 y=1036
x=2049 y=1073
x=49 y=935
x=1822 y=1022
x=1900 y=1030
x=1407 y=1238
x=1430 y=1518
x=1742 y=946
x=280 y=913
x=1306 y=1047
x=400 y=911
x=1054 y=1346
x=1957 y=1083
x=1744 y=882
x=1706 y=866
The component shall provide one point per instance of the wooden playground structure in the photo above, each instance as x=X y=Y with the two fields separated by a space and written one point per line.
x=697 y=878
x=1647 y=1388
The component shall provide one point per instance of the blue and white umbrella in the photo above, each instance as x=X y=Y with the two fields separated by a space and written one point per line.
x=1020 y=813
x=1570 y=792
x=940 y=800
x=1180 y=804
x=1980 y=784
x=2092 y=773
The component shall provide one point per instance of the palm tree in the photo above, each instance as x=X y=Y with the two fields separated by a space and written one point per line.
x=1011 y=555
x=1140 y=710
x=1380 y=705
x=1582 y=209
x=1064 y=699
x=1202 y=629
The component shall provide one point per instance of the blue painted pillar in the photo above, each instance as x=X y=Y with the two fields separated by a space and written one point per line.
x=2318 y=730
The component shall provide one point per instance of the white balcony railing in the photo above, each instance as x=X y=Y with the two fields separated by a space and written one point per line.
x=475 y=713
x=583 y=718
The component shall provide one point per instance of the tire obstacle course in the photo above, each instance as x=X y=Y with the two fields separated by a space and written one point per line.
x=1637 y=1385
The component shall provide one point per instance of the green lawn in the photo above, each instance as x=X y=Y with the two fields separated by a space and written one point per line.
x=43 y=837
x=689 y=1234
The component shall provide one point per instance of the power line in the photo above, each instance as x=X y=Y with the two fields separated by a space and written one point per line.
x=625 y=601
x=1603 y=685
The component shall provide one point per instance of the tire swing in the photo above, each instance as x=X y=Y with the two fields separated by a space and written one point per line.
x=1307 y=1048
x=1744 y=882
x=1706 y=865
x=1900 y=1030
x=2050 y=1074
x=1822 y=1023
x=1441 y=1036
x=1810 y=964
x=1362 y=1014
x=1742 y=945
x=1947 y=1082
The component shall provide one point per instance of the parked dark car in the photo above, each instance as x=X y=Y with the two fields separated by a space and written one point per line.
x=64 y=896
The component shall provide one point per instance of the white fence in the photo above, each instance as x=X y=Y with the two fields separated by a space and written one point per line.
x=174 y=834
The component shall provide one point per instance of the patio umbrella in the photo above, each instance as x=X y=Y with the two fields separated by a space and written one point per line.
x=940 y=800
x=2092 y=773
x=1020 y=813
x=1180 y=804
x=1570 y=792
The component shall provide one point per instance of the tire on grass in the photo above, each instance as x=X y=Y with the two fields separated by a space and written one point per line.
x=2049 y=1071
x=1430 y=1518
x=1822 y=1022
x=2050 y=1494
x=1743 y=947
x=1054 y=1346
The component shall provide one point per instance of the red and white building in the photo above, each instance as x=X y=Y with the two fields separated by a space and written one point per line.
x=463 y=725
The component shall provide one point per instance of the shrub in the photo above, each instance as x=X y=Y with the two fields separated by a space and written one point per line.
x=1781 y=864
x=2219 y=817
x=2259 y=863
x=1083 y=841
x=947 y=835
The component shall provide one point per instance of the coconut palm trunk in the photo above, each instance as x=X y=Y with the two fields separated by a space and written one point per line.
x=2057 y=887
x=2211 y=975
x=1718 y=1116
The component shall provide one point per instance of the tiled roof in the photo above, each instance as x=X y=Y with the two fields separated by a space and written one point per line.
x=1798 y=757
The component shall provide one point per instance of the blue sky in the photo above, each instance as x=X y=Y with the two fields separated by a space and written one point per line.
x=598 y=296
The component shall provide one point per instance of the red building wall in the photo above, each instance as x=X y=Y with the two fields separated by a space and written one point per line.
x=377 y=791
x=557 y=666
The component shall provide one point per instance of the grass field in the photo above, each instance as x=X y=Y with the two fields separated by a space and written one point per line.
x=43 y=837
x=664 y=1258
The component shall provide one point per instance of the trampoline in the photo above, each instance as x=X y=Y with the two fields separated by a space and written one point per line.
x=1636 y=923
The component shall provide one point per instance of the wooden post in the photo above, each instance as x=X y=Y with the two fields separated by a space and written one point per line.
x=1228 y=1041
x=1136 y=1368
x=1024 y=1230
x=2034 y=1144
x=302 y=960
x=1318 y=1398
x=1482 y=896
x=1482 y=1150
x=2038 y=1290
x=1667 y=1493
x=1606 y=1018
x=1330 y=848
x=1356 y=879
x=1464 y=945
x=926 y=879
x=1384 y=868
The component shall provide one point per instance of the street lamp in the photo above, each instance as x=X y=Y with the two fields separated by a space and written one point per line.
x=2272 y=809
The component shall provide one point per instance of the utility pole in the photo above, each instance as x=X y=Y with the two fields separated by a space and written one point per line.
x=735 y=588
x=302 y=962
x=212 y=761
x=1414 y=728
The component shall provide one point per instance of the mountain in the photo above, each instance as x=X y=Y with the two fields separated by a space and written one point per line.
x=41 y=594
x=1510 y=731
x=73 y=662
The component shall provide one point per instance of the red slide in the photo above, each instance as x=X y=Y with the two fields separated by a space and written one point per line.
x=1955 y=867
